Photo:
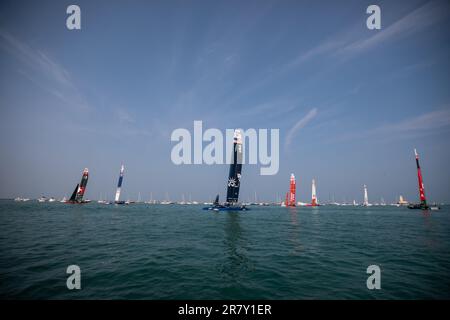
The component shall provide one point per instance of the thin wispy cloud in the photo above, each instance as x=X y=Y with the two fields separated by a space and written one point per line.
x=323 y=48
x=422 y=17
x=349 y=43
x=422 y=125
x=42 y=70
x=430 y=121
x=124 y=116
x=282 y=106
x=299 y=125
x=410 y=70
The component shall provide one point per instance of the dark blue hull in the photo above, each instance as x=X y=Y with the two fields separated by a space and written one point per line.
x=226 y=208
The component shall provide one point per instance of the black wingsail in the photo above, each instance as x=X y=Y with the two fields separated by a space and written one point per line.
x=216 y=202
x=82 y=188
x=234 y=177
x=74 y=194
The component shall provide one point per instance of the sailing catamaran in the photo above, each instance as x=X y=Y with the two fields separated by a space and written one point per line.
x=366 y=198
x=119 y=187
x=423 y=200
x=314 y=201
x=78 y=193
x=234 y=180
x=290 y=196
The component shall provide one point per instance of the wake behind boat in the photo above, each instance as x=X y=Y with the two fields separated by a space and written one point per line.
x=234 y=180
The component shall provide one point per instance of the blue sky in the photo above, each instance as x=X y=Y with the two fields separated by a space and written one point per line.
x=350 y=103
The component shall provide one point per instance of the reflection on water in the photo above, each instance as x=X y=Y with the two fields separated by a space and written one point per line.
x=294 y=232
x=166 y=252
x=430 y=229
x=293 y=215
x=236 y=260
x=426 y=213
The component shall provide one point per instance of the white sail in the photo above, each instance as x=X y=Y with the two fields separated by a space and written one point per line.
x=313 y=193
x=119 y=185
x=366 y=197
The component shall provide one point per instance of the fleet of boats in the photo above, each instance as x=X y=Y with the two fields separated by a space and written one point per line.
x=233 y=185
x=290 y=196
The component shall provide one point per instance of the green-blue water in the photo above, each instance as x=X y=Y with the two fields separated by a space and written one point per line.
x=182 y=252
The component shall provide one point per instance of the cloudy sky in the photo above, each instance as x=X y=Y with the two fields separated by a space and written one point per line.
x=350 y=103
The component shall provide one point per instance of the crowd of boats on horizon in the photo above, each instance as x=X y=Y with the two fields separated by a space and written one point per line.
x=233 y=186
x=43 y=199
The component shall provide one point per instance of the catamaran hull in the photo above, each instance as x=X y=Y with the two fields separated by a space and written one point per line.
x=423 y=207
x=226 y=208
x=77 y=202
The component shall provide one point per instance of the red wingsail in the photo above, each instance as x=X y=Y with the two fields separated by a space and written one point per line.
x=290 y=196
x=423 y=199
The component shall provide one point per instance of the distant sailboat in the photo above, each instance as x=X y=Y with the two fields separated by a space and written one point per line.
x=167 y=201
x=402 y=201
x=314 y=201
x=234 y=180
x=183 y=201
x=151 y=201
x=423 y=200
x=103 y=201
x=255 y=201
x=119 y=186
x=19 y=199
x=78 y=193
x=366 y=198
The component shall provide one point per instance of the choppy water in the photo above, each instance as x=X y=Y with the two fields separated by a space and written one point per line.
x=182 y=252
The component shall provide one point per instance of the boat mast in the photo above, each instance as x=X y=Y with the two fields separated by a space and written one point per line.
x=366 y=197
x=313 y=194
x=119 y=184
x=292 y=191
x=290 y=196
x=423 y=200
x=234 y=176
x=74 y=194
x=82 y=186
